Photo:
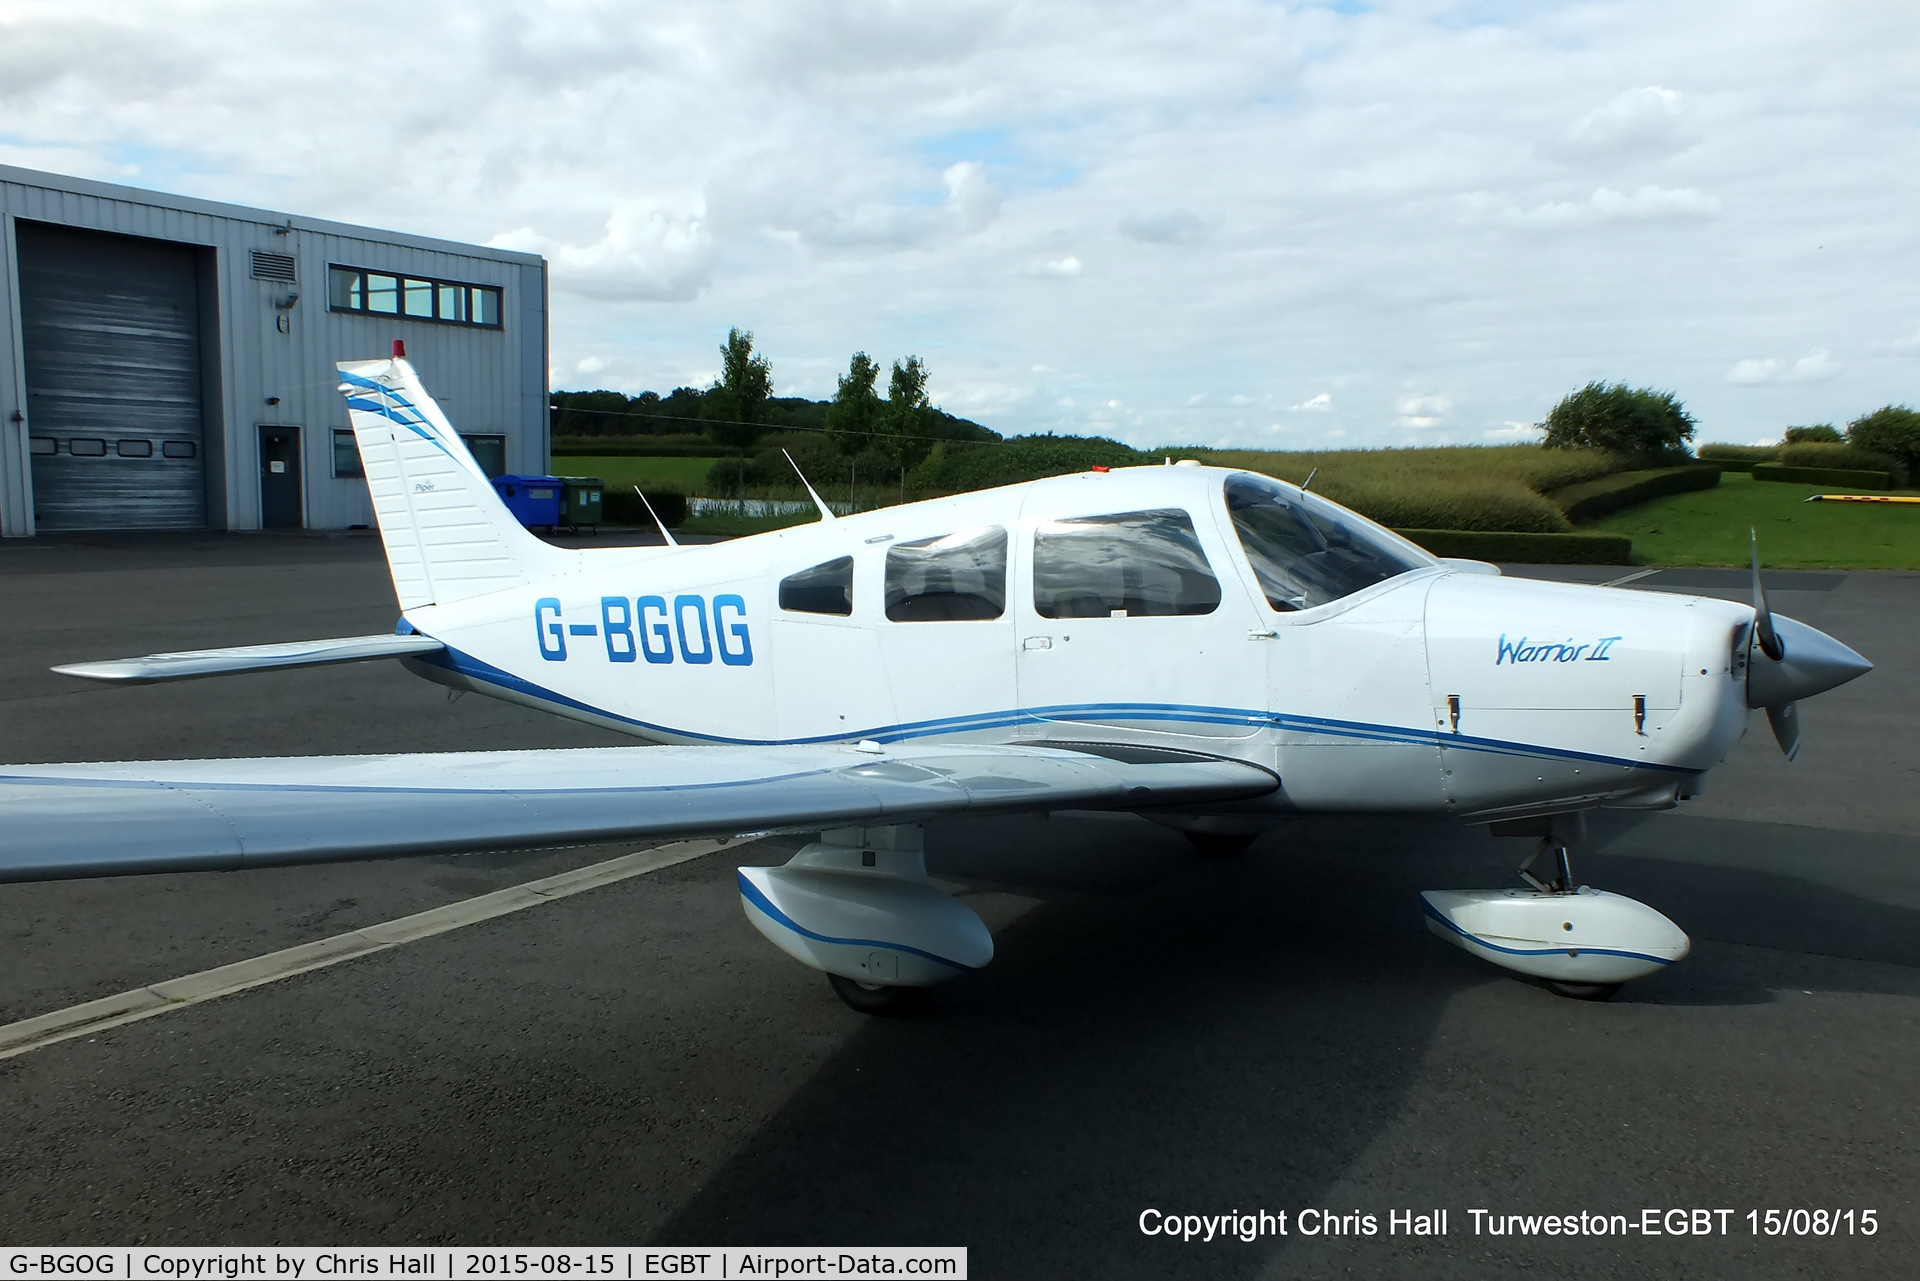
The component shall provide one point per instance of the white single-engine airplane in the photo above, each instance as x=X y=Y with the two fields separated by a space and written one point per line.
x=1208 y=648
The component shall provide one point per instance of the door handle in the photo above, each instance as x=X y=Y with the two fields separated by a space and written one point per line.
x=1037 y=642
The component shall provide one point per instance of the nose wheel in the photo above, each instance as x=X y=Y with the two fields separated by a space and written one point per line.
x=1579 y=942
x=877 y=998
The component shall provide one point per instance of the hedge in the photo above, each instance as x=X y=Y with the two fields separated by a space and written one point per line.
x=1738 y=457
x=1592 y=499
x=1841 y=477
x=1838 y=456
x=1524 y=549
x=633 y=447
x=623 y=507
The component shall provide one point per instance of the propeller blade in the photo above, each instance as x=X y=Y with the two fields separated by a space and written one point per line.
x=1785 y=720
x=1762 y=616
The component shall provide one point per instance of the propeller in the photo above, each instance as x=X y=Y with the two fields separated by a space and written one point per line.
x=1762 y=616
x=1782 y=718
x=1788 y=661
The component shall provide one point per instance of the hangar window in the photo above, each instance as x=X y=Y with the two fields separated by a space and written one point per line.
x=346 y=456
x=490 y=452
x=43 y=445
x=1306 y=552
x=83 y=448
x=136 y=449
x=958 y=576
x=1129 y=565
x=382 y=294
x=177 y=449
x=378 y=293
x=825 y=589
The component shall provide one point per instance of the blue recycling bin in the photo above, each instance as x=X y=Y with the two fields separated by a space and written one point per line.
x=533 y=500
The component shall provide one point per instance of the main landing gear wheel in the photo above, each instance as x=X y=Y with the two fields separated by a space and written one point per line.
x=1219 y=844
x=1582 y=991
x=874 y=998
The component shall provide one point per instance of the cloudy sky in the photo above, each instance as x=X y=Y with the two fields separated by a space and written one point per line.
x=1223 y=222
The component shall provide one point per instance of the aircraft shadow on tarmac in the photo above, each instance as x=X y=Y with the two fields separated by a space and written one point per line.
x=1204 y=1035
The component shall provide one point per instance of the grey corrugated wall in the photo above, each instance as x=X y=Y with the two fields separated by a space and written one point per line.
x=488 y=381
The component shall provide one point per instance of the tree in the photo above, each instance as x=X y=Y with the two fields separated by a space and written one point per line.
x=1816 y=434
x=736 y=406
x=1637 y=421
x=906 y=421
x=1893 y=430
x=855 y=412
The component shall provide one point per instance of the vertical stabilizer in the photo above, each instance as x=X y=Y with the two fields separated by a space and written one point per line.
x=448 y=535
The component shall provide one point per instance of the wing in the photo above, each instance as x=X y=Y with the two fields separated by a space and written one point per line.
x=192 y=663
x=59 y=821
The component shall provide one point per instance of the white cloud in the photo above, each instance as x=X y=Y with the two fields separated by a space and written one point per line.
x=1422 y=411
x=1056 y=268
x=1606 y=204
x=1198 y=398
x=1321 y=404
x=970 y=197
x=1634 y=123
x=1164 y=226
x=1817 y=366
x=647 y=254
x=1511 y=432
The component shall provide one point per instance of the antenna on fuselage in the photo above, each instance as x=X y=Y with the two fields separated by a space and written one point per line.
x=1309 y=480
x=656 y=518
x=826 y=512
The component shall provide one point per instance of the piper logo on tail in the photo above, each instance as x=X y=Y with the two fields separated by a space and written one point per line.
x=1524 y=650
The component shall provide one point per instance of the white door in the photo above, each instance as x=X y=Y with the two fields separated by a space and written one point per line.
x=1138 y=620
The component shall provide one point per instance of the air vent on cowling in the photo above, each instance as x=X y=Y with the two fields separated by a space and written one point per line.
x=269 y=266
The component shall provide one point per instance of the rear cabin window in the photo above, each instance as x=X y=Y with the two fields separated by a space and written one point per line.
x=825 y=589
x=1130 y=565
x=959 y=576
x=1306 y=552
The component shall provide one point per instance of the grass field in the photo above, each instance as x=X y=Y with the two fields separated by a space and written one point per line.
x=687 y=475
x=1466 y=487
x=1710 y=528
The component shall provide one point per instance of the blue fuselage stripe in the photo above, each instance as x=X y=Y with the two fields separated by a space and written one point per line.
x=1078 y=713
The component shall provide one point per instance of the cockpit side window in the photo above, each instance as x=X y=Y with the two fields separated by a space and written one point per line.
x=1306 y=552
x=958 y=576
x=1128 y=565
x=827 y=588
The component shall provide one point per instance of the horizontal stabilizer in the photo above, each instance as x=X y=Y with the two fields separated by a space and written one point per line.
x=194 y=663
x=169 y=816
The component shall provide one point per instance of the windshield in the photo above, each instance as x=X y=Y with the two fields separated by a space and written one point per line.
x=1306 y=552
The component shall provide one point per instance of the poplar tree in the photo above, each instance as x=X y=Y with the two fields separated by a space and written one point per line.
x=736 y=406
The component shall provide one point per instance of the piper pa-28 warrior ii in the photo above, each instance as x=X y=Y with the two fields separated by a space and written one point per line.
x=1207 y=648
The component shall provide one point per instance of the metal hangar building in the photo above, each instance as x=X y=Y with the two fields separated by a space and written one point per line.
x=168 y=363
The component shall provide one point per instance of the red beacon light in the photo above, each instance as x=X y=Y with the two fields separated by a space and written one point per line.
x=1101 y=467
x=399 y=349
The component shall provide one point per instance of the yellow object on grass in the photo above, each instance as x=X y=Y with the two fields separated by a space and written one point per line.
x=1860 y=498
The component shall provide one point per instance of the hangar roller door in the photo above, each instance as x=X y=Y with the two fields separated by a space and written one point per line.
x=110 y=327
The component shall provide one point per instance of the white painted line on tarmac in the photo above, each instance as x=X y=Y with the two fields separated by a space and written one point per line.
x=175 y=994
x=1634 y=577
